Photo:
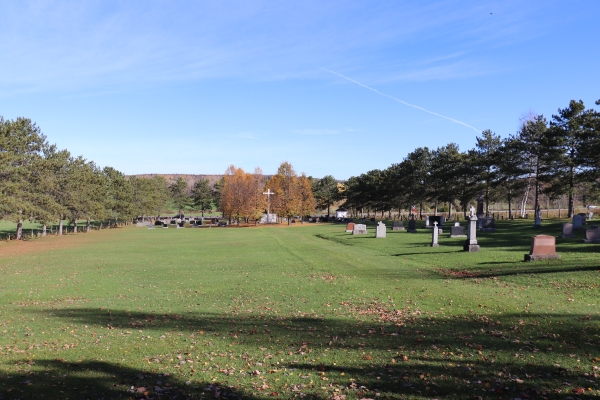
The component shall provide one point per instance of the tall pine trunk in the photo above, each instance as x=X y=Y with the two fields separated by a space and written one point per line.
x=44 y=230
x=60 y=226
x=75 y=226
x=571 y=211
x=89 y=225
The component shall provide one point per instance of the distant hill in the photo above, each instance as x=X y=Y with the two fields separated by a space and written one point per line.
x=189 y=178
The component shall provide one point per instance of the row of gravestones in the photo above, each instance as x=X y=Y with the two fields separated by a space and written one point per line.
x=543 y=247
x=592 y=235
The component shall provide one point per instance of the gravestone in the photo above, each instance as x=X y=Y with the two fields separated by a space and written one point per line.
x=471 y=243
x=150 y=226
x=380 y=232
x=165 y=226
x=543 y=247
x=567 y=231
x=412 y=225
x=398 y=226
x=350 y=227
x=590 y=215
x=488 y=225
x=434 y=235
x=577 y=222
x=537 y=222
x=427 y=222
x=592 y=235
x=480 y=201
x=436 y=219
x=457 y=223
x=359 y=229
x=457 y=231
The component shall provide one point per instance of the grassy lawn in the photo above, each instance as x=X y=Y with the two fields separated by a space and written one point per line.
x=307 y=311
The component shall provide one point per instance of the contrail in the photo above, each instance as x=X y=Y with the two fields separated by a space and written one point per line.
x=401 y=101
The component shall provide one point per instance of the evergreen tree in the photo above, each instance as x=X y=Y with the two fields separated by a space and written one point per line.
x=202 y=195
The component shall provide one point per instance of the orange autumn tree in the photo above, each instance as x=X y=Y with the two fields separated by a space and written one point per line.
x=241 y=195
x=308 y=203
x=256 y=203
x=293 y=196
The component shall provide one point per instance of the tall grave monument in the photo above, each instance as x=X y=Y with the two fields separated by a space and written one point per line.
x=471 y=243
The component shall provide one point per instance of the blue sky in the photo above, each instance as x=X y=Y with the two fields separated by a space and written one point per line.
x=194 y=86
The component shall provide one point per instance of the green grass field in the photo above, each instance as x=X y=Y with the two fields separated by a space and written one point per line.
x=306 y=311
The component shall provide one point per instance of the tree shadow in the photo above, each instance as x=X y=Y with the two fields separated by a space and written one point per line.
x=104 y=380
x=381 y=350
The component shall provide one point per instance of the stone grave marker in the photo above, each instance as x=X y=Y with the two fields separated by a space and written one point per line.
x=165 y=225
x=398 y=226
x=471 y=243
x=592 y=235
x=412 y=225
x=457 y=231
x=436 y=218
x=480 y=201
x=427 y=222
x=457 y=223
x=434 y=235
x=577 y=221
x=488 y=224
x=350 y=227
x=150 y=226
x=543 y=247
x=567 y=231
x=359 y=229
x=381 y=230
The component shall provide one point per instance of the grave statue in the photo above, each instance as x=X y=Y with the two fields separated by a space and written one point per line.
x=480 y=200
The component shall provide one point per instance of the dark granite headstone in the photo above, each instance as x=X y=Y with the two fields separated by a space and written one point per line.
x=457 y=232
x=436 y=218
x=398 y=226
x=592 y=235
x=567 y=231
x=488 y=224
x=412 y=226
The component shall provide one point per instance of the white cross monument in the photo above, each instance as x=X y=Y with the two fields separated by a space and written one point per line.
x=268 y=193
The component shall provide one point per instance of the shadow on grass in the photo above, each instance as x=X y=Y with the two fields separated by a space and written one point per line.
x=521 y=268
x=377 y=350
x=103 y=380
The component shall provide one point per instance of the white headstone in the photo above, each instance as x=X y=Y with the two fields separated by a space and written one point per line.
x=359 y=229
x=380 y=232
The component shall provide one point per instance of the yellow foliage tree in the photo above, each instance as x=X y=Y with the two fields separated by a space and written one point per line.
x=293 y=195
x=241 y=195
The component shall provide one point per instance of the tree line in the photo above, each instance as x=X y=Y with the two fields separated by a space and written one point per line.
x=41 y=183
x=560 y=157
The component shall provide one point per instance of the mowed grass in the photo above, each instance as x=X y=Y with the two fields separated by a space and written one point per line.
x=306 y=311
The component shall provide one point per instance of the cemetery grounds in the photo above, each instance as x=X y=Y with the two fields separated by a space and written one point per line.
x=306 y=311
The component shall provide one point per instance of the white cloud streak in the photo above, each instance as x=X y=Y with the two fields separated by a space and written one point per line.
x=401 y=101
